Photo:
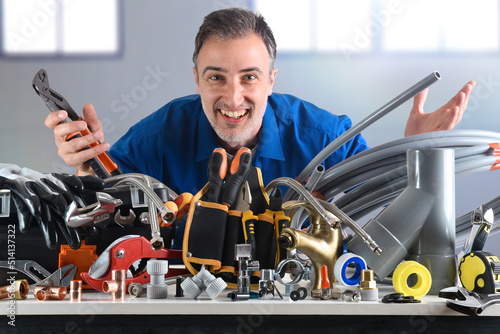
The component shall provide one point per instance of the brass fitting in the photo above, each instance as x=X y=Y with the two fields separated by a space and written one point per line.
x=18 y=290
x=367 y=286
x=323 y=245
x=117 y=285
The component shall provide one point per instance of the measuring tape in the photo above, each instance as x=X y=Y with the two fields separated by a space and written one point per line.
x=479 y=271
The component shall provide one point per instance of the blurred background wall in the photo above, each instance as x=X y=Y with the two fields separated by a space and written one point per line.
x=157 y=36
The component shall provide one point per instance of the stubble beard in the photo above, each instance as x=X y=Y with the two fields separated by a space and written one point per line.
x=228 y=132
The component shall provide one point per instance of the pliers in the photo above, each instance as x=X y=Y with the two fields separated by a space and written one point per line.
x=40 y=275
x=224 y=182
x=61 y=277
x=29 y=268
x=103 y=165
x=468 y=302
x=275 y=213
x=248 y=219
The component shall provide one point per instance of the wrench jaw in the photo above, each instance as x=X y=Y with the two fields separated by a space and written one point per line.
x=464 y=308
x=94 y=214
x=468 y=302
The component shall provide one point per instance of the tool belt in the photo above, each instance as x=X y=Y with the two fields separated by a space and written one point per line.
x=212 y=231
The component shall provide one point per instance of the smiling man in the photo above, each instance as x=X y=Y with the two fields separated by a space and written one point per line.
x=234 y=78
x=235 y=106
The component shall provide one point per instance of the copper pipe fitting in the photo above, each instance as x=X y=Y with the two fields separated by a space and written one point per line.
x=75 y=291
x=18 y=290
x=42 y=292
x=117 y=285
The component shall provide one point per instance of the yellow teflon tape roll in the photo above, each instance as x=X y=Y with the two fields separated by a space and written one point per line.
x=400 y=279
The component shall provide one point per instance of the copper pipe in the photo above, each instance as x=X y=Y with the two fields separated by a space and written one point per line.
x=18 y=290
x=43 y=292
x=75 y=291
x=117 y=285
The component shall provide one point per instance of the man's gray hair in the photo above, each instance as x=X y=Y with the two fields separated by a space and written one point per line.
x=234 y=23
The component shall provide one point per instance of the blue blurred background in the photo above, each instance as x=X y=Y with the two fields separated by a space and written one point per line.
x=349 y=57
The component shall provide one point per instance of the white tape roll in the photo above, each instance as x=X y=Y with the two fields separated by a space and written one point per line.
x=340 y=269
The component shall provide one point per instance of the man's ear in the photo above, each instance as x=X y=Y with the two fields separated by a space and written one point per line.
x=272 y=77
x=196 y=80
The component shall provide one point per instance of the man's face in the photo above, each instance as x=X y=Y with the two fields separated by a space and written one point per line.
x=234 y=80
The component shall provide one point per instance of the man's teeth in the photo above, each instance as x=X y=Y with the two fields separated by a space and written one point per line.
x=233 y=114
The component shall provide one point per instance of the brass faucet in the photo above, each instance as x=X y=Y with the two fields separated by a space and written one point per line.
x=323 y=245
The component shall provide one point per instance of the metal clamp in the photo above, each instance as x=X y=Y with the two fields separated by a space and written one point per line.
x=301 y=272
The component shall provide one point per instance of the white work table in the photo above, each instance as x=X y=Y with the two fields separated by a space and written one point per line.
x=97 y=313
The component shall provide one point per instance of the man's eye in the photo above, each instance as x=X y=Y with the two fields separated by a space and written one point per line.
x=215 y=77
x=250 y=77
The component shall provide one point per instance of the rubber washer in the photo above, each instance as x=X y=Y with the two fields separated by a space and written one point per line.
x=294 y=295
x=302 y=292
x=400 y=279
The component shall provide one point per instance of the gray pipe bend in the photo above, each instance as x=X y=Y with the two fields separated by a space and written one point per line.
x=437 y=139
x=370 y=156
x=370 y=119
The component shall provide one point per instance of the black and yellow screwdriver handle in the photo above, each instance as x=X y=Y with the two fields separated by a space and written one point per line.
x=103 y=165
x=237 y=173
x=481 y=236
x=248 y=220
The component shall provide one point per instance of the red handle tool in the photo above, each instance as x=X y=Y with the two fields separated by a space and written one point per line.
x=240 y=167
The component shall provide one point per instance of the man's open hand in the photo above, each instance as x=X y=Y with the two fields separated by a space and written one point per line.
x=444 y=118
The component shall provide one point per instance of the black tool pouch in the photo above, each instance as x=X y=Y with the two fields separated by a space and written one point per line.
x=212 y=231
x=204 y=235
x=265 y=234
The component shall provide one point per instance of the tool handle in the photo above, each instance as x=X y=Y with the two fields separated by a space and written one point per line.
x=249 y=219
x=216 y=170
x=103 y=165
x=480 y=238
x=240 y=167
x=281 y=221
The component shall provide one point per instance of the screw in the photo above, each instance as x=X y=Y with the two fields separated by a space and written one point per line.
x=120 y=253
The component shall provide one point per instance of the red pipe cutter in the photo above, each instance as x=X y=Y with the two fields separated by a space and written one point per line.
x=122 y=254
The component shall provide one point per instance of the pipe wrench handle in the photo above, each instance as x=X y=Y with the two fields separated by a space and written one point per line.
x=216 y=170
x=237 y=174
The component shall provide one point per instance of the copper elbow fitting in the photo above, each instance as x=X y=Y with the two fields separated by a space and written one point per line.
x=18 y=290
x=43 y=292
x=117 y=285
